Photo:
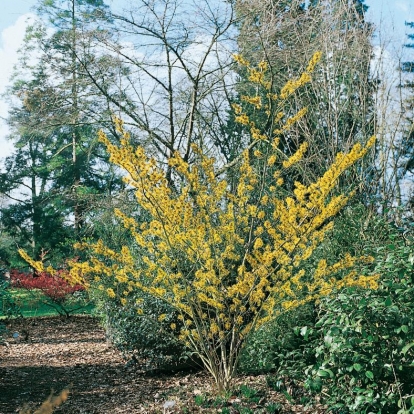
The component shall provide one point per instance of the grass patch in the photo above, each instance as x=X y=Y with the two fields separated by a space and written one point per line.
x=34 y=303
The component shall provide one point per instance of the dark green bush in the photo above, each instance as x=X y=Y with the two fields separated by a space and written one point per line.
x=8 y=308
x=366 y=358
x=142 y=337
x=280 y=345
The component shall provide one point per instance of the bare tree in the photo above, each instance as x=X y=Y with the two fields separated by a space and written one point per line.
x=394 y=119
x=166 y=71
x=339 y=98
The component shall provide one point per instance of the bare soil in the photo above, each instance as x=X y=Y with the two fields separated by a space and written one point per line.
x=52 y=353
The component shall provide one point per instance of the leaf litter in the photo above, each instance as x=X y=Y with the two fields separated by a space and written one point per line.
x=54 y=354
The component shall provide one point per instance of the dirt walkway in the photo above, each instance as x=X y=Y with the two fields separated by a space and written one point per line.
x=61 y=352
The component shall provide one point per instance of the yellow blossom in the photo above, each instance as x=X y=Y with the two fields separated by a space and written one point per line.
x=242 y=119
x=110 y=292
x=297 y=156
x=239 y=59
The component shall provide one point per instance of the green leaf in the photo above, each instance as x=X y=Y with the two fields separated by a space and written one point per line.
x=369 y=374
x=362 y=302
x=325 y=373
x=388 y=302
x=407 y=347
x=357 y=367
x=404 y=328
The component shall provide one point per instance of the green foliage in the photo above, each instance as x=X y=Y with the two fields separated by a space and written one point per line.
x=143 y=337
x=250 y=393
x=279 y=344
x=217 y=401
x=274 y=408
x=8 y=306
x=34 y=210
x=200 y=400
x=242 y=399
x=365 y=358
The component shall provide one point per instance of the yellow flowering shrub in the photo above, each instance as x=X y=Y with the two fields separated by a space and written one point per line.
x=226 y=259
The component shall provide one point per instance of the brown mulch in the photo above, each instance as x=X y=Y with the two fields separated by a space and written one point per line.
x=52 y=353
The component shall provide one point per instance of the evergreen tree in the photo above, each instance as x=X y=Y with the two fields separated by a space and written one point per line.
x=72 y=22
x=55 y=118
x=34 y=215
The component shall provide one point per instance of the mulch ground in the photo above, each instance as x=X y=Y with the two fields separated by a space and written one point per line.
x=52 y=353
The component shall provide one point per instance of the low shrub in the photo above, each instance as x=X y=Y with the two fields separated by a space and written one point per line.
x=8 y=306
x=280 y=345
x=61 y=296
x=366 y=357
x=143 y=337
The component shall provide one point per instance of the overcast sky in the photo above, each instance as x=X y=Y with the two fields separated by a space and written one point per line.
x=388 y=14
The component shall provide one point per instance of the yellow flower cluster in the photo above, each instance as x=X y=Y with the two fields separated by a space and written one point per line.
x=239 y=59
x=317 y=56
x=253 y=100
x=242 y=119
x=297 y=156
x=258 y=76
x=207 y=253
x=294 y=84
x=37 y=265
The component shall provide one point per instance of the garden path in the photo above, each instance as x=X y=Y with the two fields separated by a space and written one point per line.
x=52 y=353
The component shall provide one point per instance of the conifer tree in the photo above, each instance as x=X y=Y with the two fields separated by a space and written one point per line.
x=34 y=214
x=72 y=23
x=54 y=119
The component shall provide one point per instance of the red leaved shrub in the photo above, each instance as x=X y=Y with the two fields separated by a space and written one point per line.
x=53 y=286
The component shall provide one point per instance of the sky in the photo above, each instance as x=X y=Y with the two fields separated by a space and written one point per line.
x=13 y=21
x=389 y=15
